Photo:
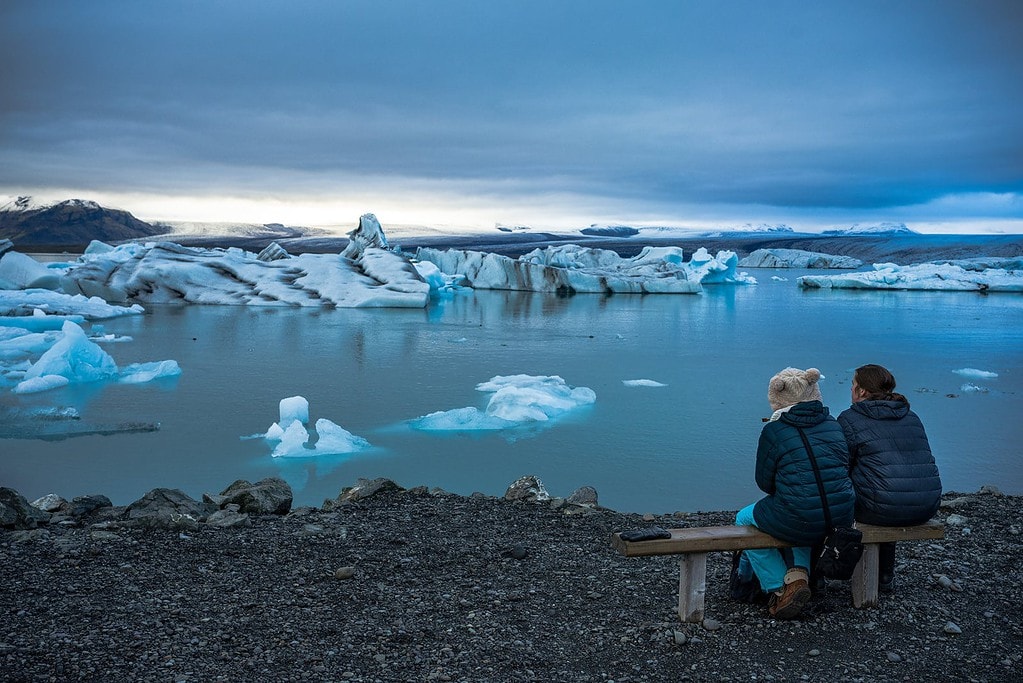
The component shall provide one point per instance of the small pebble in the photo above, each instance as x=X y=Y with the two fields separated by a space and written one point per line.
x=344 y=573
x=953 y=628
x=894 y=657
x=814 y=653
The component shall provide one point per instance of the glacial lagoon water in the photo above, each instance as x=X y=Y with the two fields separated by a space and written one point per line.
x=689 y=445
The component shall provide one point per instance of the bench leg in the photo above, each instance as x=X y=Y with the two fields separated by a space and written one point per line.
x=692 y=587
x=864 y=578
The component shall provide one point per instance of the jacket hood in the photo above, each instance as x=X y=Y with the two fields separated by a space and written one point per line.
x=805 y=414
x=882 y=410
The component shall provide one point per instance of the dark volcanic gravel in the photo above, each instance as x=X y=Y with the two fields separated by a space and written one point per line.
x=450 y=588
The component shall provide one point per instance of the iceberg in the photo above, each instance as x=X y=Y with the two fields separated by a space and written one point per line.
x=18 y=271
x=798 y=258
x=66 y=357
x=975 y=373
x=571 y=269
x=292 y=439
x=366 y=274
x=27 y=308
x=922 y=276
x=516 y=400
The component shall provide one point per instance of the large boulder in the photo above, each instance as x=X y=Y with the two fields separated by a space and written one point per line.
x=167 y=509
x=365 y=488
x=270 y=496
x=18 y=513
x=528 y=488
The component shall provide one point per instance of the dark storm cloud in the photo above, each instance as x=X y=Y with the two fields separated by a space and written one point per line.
x=785 y=104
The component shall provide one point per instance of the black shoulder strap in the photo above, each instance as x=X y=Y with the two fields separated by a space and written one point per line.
x=817 y=476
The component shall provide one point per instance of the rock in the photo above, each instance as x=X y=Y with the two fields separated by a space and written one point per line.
x=680 y=637
x=585 y=496
x=167 y=509
x=51 y=502
x=85 y=505
x=893 y=657
x=528 y=488
x=952 y=628
x=228 y=518
x=956 y=503
x=270 y=496
x=26 y=535
x=344 y=573
x=711 y=624
x=948 y=583
x=516 y=552
x=101 y=535
x=365 y=488
x=990 y=490
x=17 y=513
x=955 y=520
x=814 y=653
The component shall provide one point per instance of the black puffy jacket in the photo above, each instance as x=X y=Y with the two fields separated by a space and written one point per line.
x=890 y=463
x=792 y=510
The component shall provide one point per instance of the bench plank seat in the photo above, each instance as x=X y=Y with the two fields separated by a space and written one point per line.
x=693 y=544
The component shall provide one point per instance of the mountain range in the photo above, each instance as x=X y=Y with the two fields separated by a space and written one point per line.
x=68 y=224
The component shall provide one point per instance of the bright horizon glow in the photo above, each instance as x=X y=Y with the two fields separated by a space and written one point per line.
x=454 y=214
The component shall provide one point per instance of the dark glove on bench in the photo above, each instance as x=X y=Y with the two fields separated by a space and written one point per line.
x=648 y=534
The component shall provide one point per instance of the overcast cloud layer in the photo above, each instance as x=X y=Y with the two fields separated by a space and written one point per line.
x=547 y=112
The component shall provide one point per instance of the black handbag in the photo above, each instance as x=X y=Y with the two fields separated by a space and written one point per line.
x=843 y=545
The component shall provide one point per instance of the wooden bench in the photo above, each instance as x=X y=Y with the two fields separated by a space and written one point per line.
x=694 y=543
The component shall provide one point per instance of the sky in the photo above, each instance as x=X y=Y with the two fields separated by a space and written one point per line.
x=547 y=114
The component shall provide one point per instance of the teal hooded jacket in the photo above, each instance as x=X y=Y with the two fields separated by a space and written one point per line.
x=792 y=509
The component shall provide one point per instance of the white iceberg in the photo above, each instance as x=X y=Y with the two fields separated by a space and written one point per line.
x=292 y=439
x=798 y=258
x=66 y=357
x=573 y=269
x=976 y=374
x=922 y=276
x=517 y=400
x=364 y=275
x=138 y=373
x=18 y=271
x=642 y=383
x=42 y=309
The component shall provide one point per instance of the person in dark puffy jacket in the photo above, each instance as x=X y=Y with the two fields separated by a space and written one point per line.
x=890 y=461
x=793 y=510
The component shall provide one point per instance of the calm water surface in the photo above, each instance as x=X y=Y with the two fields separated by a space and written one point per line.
x=687 y=446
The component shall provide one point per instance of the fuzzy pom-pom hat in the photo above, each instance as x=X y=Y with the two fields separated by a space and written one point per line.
x=792 y=386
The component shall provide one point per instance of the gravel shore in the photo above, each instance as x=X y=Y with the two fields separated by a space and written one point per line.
x=424 y=585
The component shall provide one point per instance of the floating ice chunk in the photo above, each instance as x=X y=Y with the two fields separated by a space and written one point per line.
x=921 y=276
x=517 y=400
x=75 y=358
x=23 y=304
x=336 y=439
x=41 y=383
x=971 y=388
x=779 y=278
x=293 y=441
x=16 y=343
x=976 y=374
x=642 y=383
x=461 y=420
x=138 y=373
x=797 y=258
x=294 y=408
x=18 y=271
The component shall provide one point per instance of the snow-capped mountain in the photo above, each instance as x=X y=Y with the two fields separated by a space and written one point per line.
x=873 y=229
x=72 y=222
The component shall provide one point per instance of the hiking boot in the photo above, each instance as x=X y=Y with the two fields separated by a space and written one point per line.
x=794 y=596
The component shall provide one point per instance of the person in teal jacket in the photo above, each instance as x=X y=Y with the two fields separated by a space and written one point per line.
x=792 y=510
